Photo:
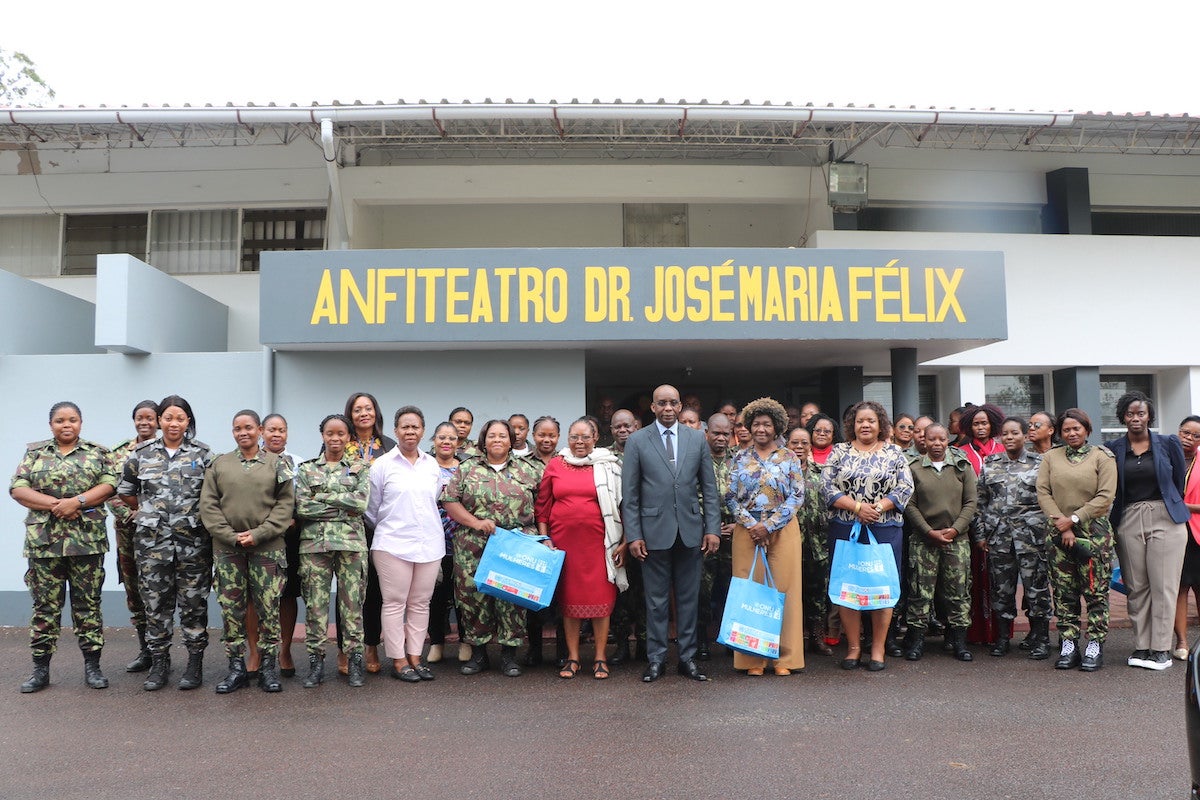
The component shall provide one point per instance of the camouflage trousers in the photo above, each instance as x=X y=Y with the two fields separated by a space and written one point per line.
x=174 y=571
x=1013 y=559
x=47 y=579
x=629 y=614
x=714 y=584
x=127 y=573
x=932 y=567
x=1073 y=582
x=483 y=618
x=814 y=569
x=261 y=576
x=317 y=570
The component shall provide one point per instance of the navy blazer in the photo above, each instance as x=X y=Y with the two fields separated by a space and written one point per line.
x=659 y=502
x=1169 y=466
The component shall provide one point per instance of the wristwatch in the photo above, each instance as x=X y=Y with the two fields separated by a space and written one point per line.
x=1074 y=519
x=82 y=502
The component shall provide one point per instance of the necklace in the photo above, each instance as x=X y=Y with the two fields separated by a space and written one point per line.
x=873 y=448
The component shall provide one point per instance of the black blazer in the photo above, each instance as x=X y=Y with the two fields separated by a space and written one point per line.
x=1169 y=467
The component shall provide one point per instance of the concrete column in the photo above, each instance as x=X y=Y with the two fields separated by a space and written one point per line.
x=840 y=387
x=1079 y=387
x=1068 y=201
x=904 y=381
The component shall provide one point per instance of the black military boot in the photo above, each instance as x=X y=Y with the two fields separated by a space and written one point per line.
x=237 y=677
x=478 y=662
x=91 y=670
x=958 y=637
x=1003 y=638
x=160 y=668
x=891 y=644
x=268 y=674
x=914 y=644
x=1068 y=656
x=40 y=678
x=356 y=671
x=1093 y=657
x=193 y=673
x=533 y=631
x=1039 y=638
x=508 y=662
x=144 y=659
x=621 y=653
x=316 y=670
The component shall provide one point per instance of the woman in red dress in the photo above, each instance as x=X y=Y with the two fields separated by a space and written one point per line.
x=980 y=428
x=577 y=507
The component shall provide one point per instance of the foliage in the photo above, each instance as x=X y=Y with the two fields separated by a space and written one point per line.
x=20 y=83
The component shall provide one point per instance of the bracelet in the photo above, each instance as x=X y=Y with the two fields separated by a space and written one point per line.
x=857 y=506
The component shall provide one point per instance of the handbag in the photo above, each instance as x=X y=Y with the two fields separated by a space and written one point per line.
x=518 y=568
x=753 y=617
x=863 y=575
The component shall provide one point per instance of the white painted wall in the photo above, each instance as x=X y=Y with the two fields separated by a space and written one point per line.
x=495 y=225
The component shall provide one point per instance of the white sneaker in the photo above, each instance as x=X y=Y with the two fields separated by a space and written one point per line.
x=1159 y=659
x=1181 y=653
x=1139 y=658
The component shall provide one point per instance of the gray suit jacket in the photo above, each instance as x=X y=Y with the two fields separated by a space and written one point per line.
x=659 y=501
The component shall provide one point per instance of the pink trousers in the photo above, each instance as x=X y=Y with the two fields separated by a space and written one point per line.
x=406 y=588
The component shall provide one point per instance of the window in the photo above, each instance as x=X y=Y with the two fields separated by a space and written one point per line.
x=186 y=242
x=967 y=220
x=1111 y=389
x=86 y=236
x=1016 y=395
x=879 y=389
x=655 y=224
x=1134 y=223
x=276 y=229
x=29 y=245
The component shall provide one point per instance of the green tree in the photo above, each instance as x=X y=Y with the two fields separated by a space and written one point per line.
x=20 y=84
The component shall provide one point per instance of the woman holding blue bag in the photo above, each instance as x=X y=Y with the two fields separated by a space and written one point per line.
x=766 y=487
x=866 y=481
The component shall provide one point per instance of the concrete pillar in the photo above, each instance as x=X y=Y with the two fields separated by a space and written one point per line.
x=905 y=398
x=1068 y=202
x=1079 y=387
x=840 y=387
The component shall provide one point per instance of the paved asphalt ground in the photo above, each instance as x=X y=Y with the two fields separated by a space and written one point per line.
x=995 y=728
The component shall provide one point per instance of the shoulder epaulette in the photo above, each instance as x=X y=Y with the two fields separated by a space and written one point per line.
x=147 y=443
x=200 y=444
x=1105 y=451
x=38 y=445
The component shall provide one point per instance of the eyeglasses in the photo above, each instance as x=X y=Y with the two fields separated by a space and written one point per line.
x=579 y=437
x=1033 y=426
x=906 y=427
x=667 y=403
x=1188 y=434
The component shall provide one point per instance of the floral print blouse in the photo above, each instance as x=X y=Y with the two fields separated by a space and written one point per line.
x=765 y=490
x=869 y=478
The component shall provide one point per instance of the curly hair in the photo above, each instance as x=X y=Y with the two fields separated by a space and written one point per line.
x=766 y=407
x=995 y=420
x=1128 y=399
x=885 y=424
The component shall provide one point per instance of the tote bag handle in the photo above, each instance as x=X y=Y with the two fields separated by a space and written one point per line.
x=760 y=551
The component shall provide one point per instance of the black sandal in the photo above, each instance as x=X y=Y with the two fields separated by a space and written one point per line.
x=600 y=670
x=569 y=668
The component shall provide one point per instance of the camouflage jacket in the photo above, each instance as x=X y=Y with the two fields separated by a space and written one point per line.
x=1008 y=502
x=330 y=501
x=45 y=470
x=122 y=514
x=167 y=487
x=534 y=463
x=505 y=497
x=811 y=515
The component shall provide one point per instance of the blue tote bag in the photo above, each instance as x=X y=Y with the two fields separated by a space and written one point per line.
x=520 y=569
x=753 y=617
x=863 y=574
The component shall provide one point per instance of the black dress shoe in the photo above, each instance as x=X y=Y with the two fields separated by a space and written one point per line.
x=688 y=669
x=876 y=666
x=702 y=652
x=654 y=671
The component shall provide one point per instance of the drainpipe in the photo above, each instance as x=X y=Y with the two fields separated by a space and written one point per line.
x=339 y=229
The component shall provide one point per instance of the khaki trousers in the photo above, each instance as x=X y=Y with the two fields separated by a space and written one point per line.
x=783 y=555
x=1150 y=546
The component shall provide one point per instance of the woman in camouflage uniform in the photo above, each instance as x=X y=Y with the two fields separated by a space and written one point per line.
x=489 y=491
x=64 y=482
x=161 y=481
x=145 y=424
x=814 y=531
x=331 y=496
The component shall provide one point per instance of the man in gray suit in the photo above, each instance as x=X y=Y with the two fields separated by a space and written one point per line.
x=666 y=468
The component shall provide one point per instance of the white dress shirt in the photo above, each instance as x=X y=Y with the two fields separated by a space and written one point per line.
x=403 y=507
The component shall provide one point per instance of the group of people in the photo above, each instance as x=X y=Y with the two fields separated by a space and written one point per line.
x=653 y=526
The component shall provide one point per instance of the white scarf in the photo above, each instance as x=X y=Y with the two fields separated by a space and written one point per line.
x=606 y=472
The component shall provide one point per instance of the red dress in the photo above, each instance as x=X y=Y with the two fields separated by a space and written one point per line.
x=984 y=628
x=567 y=503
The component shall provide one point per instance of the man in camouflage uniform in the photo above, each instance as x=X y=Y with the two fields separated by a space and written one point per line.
x=246 y=504
x=330 y=500
x=629 y=613
x=173 y=551
x=945 y=496
x=65 y=542
x=505 y=498
x=718 y=566
x=1014 y=529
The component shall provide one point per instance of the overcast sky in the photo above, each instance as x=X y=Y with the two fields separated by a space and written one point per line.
x=1048 y=55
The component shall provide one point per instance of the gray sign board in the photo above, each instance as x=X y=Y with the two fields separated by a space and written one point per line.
x=464 y=296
